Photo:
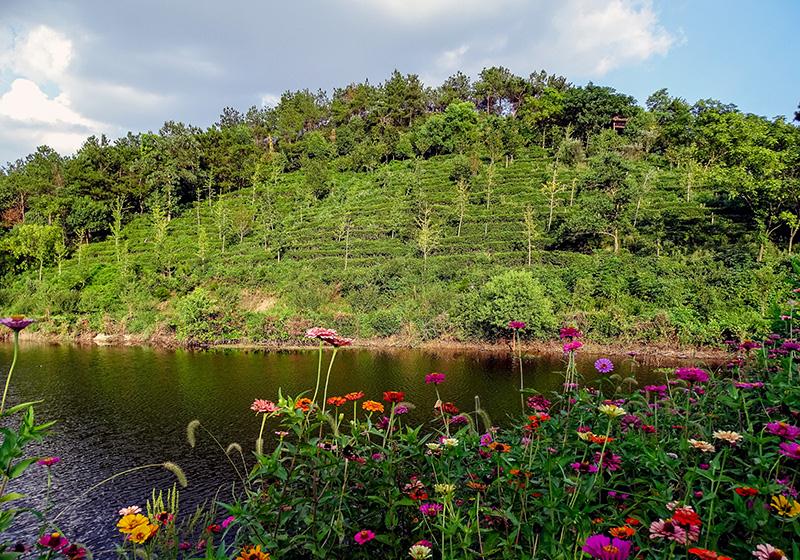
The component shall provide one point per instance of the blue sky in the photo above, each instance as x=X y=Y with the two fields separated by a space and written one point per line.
x=73 y=68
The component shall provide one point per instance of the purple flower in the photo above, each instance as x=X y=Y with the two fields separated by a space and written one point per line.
x=16 y=322
x=602 y=547
x=583 y=467
x=459 y=420
x=516 y=325
x=48 y=461
x=538 y=403
x=789 y=449
x=604 y=365
x=748 y=385
x=784 y=430
x=486 y=439
x=400 y=409
x=435 y=378
x=691 y=374
x=608 y=461
x=791 y=345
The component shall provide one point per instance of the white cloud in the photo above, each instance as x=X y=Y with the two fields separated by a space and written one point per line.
x=419 y=11
x=26 y=102
x=598 y=37
x=451 y=60
x=270 y=100
x=41 y=54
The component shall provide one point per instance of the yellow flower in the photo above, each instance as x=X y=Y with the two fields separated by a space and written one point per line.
x=142 y=533
x=253 y=553
x=450 y=442
x=585 y=436
x=785 y=507
x=444 y=488
x=130 y=522
x=612 y=410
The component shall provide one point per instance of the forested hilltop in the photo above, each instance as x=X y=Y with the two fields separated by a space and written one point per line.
x=400 y=210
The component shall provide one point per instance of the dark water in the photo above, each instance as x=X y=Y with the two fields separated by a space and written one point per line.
x=122 y=407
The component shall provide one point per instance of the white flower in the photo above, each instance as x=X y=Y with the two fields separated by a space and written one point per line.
x=419 y=552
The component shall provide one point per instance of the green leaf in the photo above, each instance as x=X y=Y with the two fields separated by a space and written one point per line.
x=20 y=407
x=19 y=467
x=11 y=496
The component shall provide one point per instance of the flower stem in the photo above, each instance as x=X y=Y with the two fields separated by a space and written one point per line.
x=327 y=378
x=319 y=373
x=10 y=371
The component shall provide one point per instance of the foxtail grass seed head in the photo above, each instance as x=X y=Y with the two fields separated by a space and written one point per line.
x=233 y=447
x=191 y=432
x=178 y=472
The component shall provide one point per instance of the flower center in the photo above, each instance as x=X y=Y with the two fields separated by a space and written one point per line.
x=611 y=548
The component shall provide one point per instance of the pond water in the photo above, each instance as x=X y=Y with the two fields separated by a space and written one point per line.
x=121 y=407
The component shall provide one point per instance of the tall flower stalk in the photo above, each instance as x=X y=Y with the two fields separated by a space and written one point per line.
x=16 y=323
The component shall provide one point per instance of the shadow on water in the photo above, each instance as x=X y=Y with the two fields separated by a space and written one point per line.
x=121 y=407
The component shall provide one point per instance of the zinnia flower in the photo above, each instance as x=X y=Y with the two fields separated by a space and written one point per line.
x=785 y=507
x=768 y=552
x=130 y=522
x=142 y=533
x=703 y=446
x=570 y=333
x=56 y=540
x=372 y=406
x=604 y=365
x=337 y=401
x=583 y=467
x=783 y=429
x=450 y=442
x=393 y=396
x=48 y=461
x=263 y=406
x=130 y=510
x=253 y=553
x=16 y=322
x=303 y=404
x=612 y=410
x=364 y=536
x=746 y=491
x=731 y=437
x=430 y=509
x=320 y=332
x=668 y=529
x=572 y=346
x=516 y=325
x=444 y=488
x=338 y=341
x=435 y=378
x=420 y=552
x=354 y=396
x=605 y=548
x=691 y=374
x=706 y=554
x=74 y=552
x=623 y=532
x=789 y=449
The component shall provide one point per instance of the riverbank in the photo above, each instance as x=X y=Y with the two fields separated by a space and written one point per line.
x=650 y=353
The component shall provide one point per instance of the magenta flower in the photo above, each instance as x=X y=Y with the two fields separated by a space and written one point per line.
x=608 y=461
x=583 y=467
x=789 y=449
x=263 y=406
x=784 y=430
x=570 y=333
x=691 y=374
x=56 y=541
x=604 y=365
x=74 y=552
x=16 y=322
x=572 y=346
x=516 y=325
x=430 y=509
x=364 y=536
x=337 y=341
x=48 y=461
x=539 y=403
x=602 y=547
x=435 y=378
x=748 y=385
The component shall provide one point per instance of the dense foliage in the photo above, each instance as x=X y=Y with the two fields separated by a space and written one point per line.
x=392 y=204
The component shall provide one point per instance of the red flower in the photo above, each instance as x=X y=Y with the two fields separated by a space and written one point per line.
x=685 y=516
x=337 y=401
x=746 y=491
x=393 y=396
x=354 y=396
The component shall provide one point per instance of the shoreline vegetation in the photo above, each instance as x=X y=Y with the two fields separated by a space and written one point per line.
x=644 y=352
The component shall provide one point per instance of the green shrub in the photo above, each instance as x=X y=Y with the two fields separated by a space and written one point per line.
x=195 y=320
x=511 y=296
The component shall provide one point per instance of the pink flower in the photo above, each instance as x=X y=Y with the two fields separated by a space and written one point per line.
x=667 y=529
x=227 y=521
x=768 y=552
x=48 y=461
x=784 y=430
x=56 y=541
x=570 y=333
x=263 y=405
x=130 y=510
x=16 y=322
x=320 y=332
x=337 y=341
x=516 y=325
x=572 y=346
x=430 y=509
x=364 y=536
x=602 y=547
x=435 y=378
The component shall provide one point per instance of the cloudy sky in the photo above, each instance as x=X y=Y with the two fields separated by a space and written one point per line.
x=73 y=68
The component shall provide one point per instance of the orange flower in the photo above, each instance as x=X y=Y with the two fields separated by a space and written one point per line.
x=303 y=404
x=252 y=553
x=372 y=406
x=597 y=520
x=622 y=532
x=600 y=439
x=705 y=554
x=337 y=401
x=632 y=521
x=479 y=486
x=499 y=447
x=354 y=396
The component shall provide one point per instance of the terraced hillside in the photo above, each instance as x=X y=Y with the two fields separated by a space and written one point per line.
x=381 y=254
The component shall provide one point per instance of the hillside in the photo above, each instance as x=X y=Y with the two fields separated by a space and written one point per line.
x=395 y=210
